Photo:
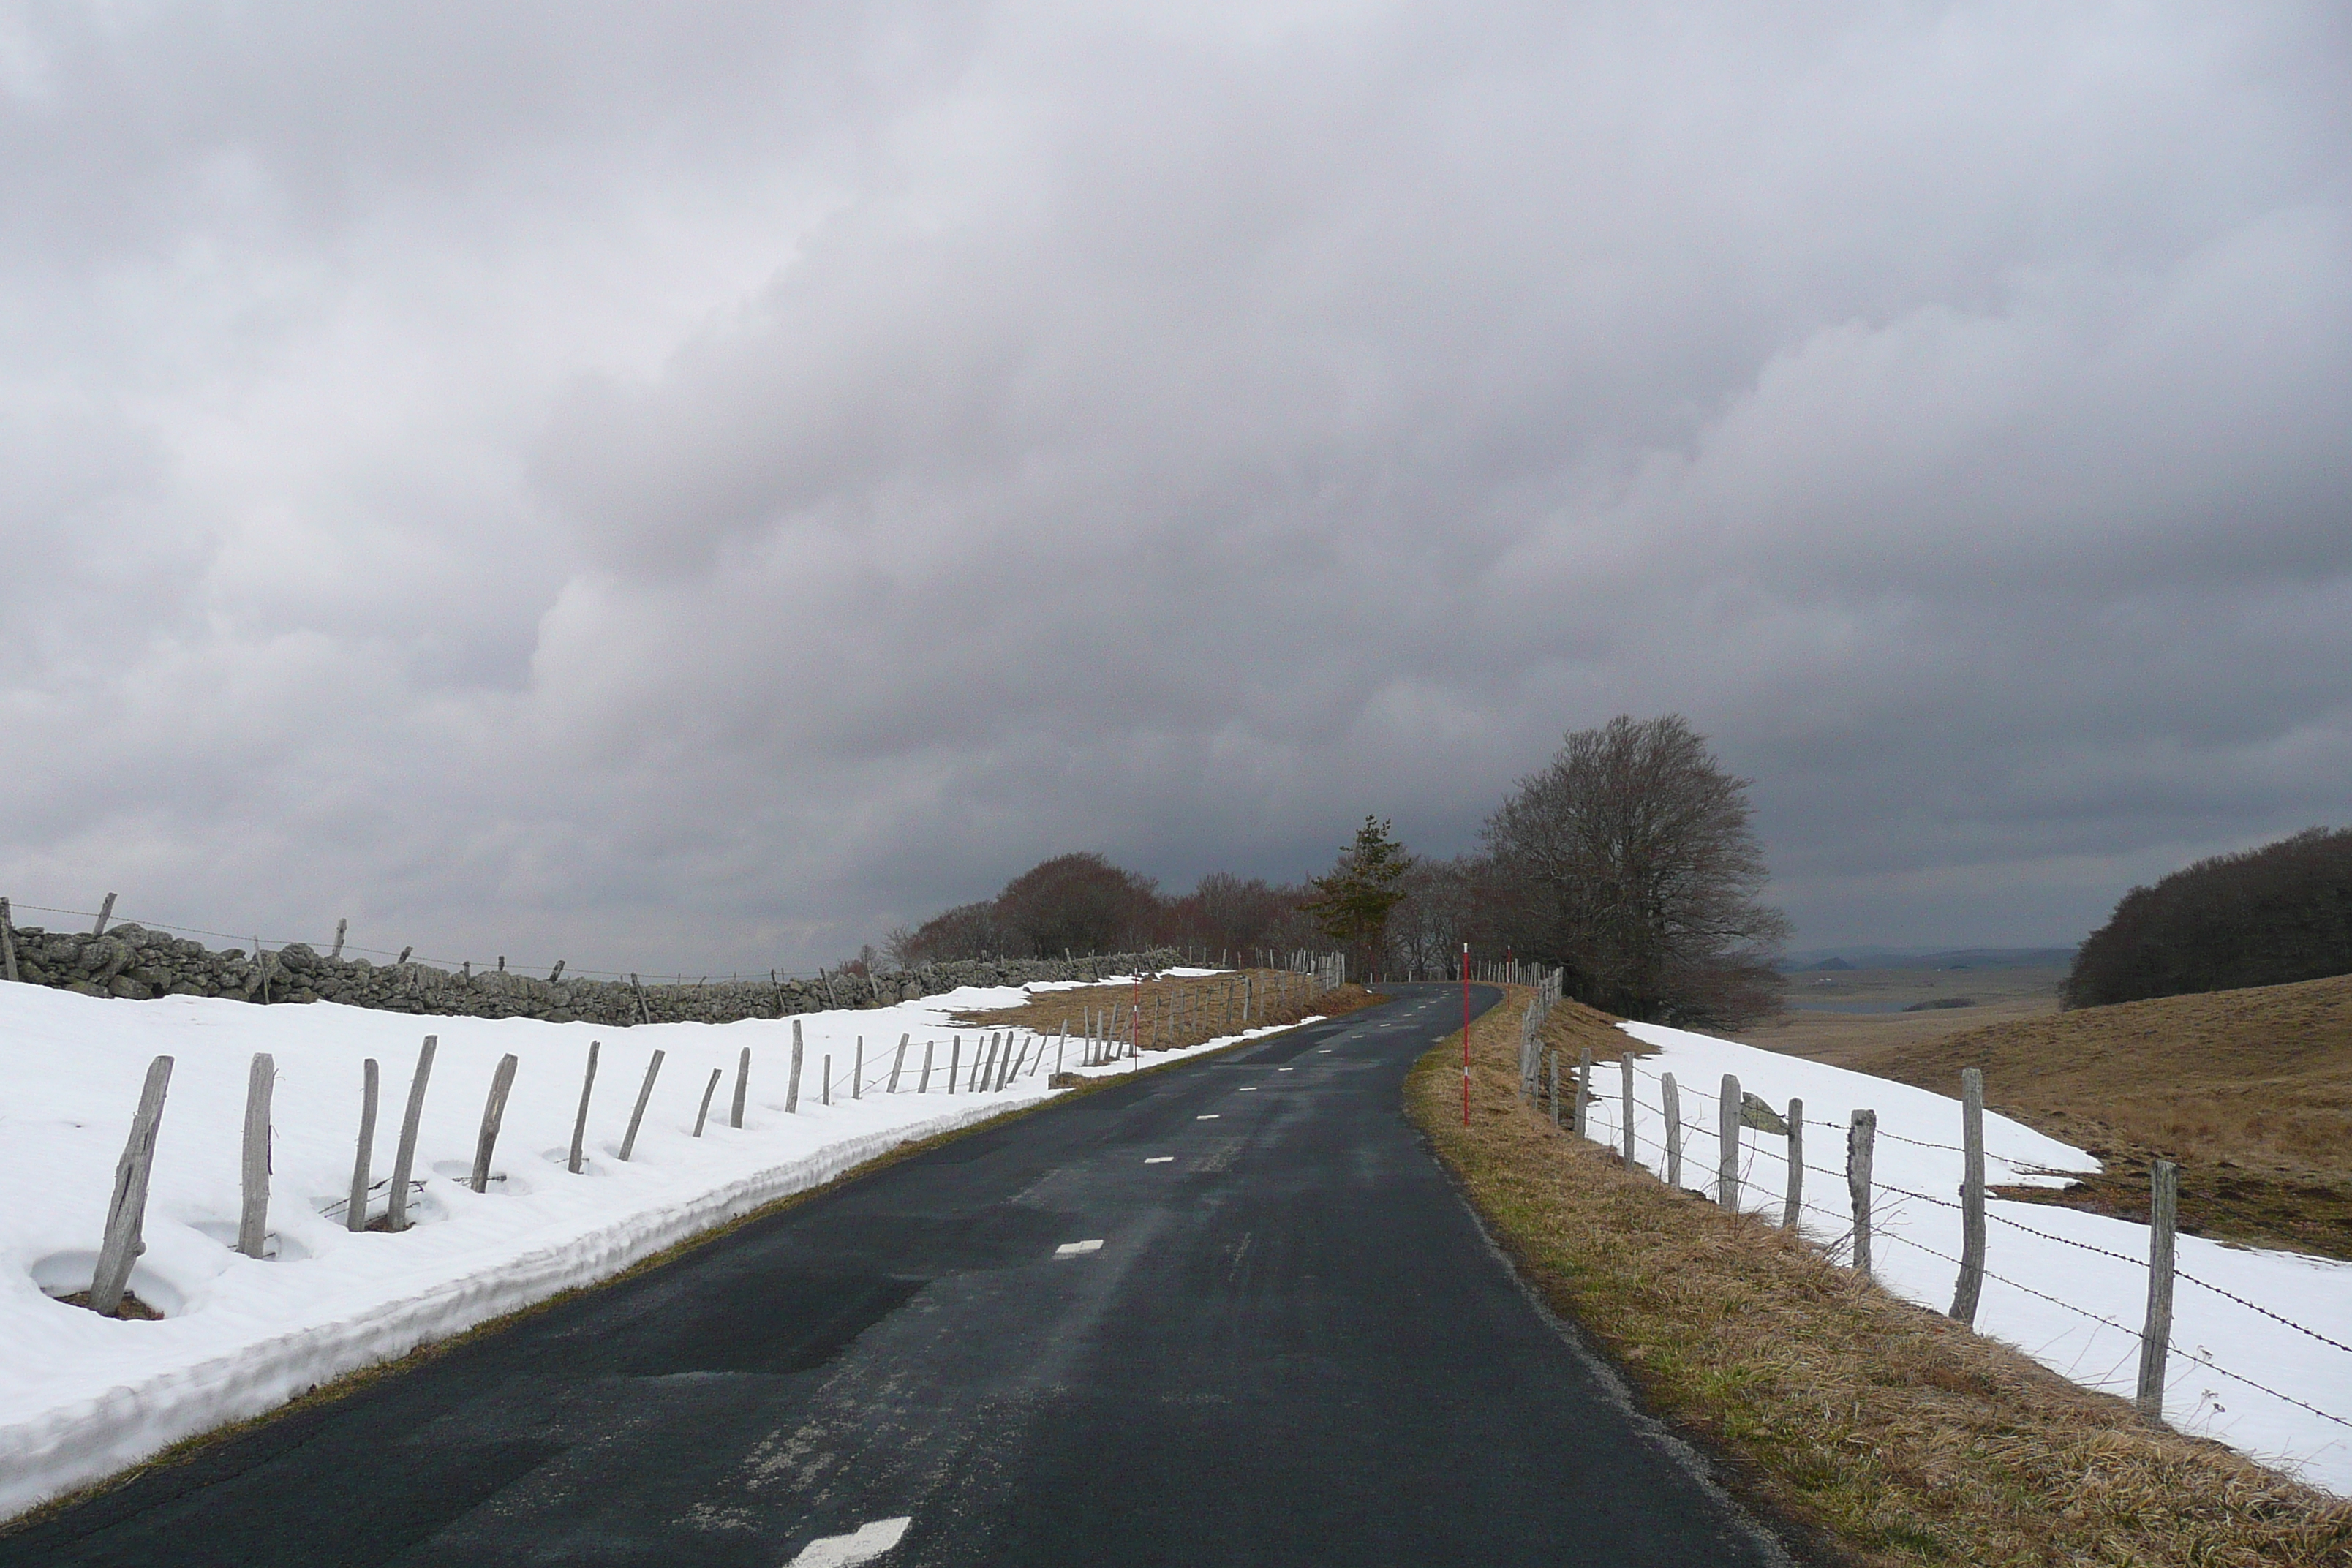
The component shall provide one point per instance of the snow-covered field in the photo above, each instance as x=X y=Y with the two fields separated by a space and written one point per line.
x=1911 y=1232
x=81 y=1395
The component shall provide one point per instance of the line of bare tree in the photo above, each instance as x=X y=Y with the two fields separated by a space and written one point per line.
x=1630 y=862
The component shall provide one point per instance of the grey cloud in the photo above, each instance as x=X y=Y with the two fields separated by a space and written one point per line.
x=700 y=487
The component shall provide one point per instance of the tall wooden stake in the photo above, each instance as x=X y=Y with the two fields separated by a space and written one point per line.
x=356 y=1211
x=743 y=1085
x=1625 y=1086
x=580 y=1122
x=1861 y=1143
x=494 y=1112
x=1726 y=1158
x=708 y=1090
x=126 y=1211
x=636 y=1117
x=1670 y=1100
x=403 y=1161
x=1792 y=1202
x=2155 y=1339
x=793 y=1084
x=253 y=1219
x=1972 y=1198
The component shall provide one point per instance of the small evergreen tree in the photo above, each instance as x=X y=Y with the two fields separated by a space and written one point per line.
x=1351 y=904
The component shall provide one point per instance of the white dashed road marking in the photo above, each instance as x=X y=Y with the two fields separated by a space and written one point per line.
x=1073 y=1248
x=1210 y=1116
x=1160 y=1159
x=864 y=1545
x=1248 y=1088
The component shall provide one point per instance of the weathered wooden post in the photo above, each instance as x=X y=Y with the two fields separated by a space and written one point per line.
x=708 y=1090
x=898 y=1063
x=955 y=1053
x=1670 y=1100
x=923 y=1085
x=253 y=1219
x=1581 y=1116
x=1727 y=1162
x=1972 y=1198
x=126 y=1211
x=1861 y=1143
x=580 y=1122
x=1625 y=1084
x=828 y=1078
x=403 y=1159
x=494 y=1110
x=793 y=1084
x=343 y=926
x=743 y=1085
x=2156 y=1338
x=356 y=1211
x=1060 y=1044
x=644 y=1093
x=1793 y=1200
x=7 y=945
x=106 y=913
x=857 y=1070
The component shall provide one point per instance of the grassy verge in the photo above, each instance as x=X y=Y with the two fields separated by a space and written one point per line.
x=1881 y=1430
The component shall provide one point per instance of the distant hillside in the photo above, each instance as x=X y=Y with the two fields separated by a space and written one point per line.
x=2251 y=1090
x=2270 y=916
x=1810 y=960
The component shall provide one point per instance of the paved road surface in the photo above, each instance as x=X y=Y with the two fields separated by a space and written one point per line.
x=1292 y=1345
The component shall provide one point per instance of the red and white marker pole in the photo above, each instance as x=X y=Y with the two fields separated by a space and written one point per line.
x=1465 y=1034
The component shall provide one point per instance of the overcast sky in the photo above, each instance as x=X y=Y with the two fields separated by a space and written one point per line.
x=697 y=486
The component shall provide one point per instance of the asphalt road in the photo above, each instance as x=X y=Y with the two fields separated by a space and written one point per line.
x=1292 y=1345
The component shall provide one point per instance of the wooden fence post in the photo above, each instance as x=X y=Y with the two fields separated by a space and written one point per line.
x=923 y=1085
x=494 y=1110
x=403 y=1160
x=253 y=1219
x=356 y=1211
x=1581 y=1106
x=743 y=1086
x=1059 y=1044
x=1670 y=1100
x=1625 y=1086
x=708 y=1090
x=897 y=1063
x=2155 y=1339
x=644 y=1093
x=7 y=945
x=580 y=1122
x=857 y=1070
x=828 y=1078
x=1727 y=1153
x=1793 y=1201
x=105 y=913
x=793 y=1084
x=1972 y=1198
x=1555 y=1091
x=955 y=1053
x=126 y=1211
x=341 y=926
x=1860 y=1145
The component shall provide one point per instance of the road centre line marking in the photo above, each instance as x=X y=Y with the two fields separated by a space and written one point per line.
x=1246 y=1089
x=1074 y=1248
x=863 y=1544
x=1210 y=1116
x=1160 y=1159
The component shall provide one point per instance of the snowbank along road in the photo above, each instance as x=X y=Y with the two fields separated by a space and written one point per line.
x=1232 y=1313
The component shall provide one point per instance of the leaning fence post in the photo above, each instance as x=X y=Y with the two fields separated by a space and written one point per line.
x=1792 y=1202
x=580 y=1122
x=1625 y=1084
x=1726 y=1157
x=793 y=1084
x=253 y=1220
x=743 y=1083
x=1583 y=1108
x=2155 y=1339
x=1861 y=1140
x=356 y=1211
x=1670 y=1100
x=126 y=1212
x=708 y=1090
x=897 y=1063
x=494 y=1110
x=404 y=1159
x=341 y=926
x=1972 y=1198
x=105 y=913
x=923 y=1085
x=644 y=1093
x=955 y=1053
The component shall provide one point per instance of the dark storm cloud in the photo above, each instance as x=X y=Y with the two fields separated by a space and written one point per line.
x=704 y=486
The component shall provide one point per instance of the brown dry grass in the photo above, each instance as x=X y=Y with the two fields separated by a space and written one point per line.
x=1177 y=1012
x=1882 y=1430
x=2250 y=1090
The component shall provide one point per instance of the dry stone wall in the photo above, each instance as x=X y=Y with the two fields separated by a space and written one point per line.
x=131 y=961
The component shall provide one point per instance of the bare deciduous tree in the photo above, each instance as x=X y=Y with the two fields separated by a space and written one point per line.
x=1630 y=861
